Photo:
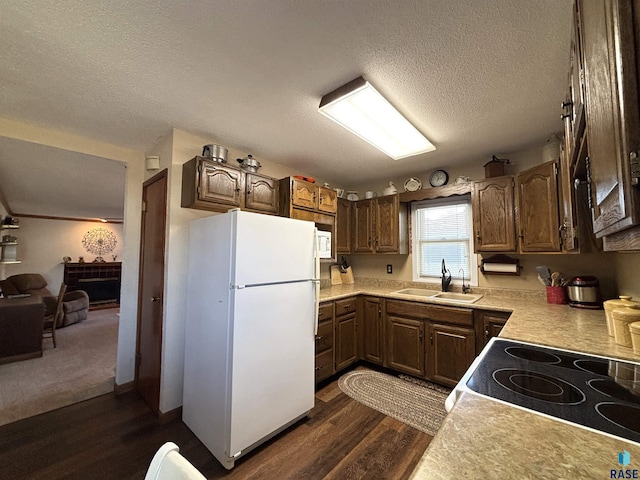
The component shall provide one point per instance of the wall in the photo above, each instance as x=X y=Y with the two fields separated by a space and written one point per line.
x=43 y=242
x=628 y=274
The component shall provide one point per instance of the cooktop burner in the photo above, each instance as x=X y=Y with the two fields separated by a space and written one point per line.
x=537 y=385
x=599 y=393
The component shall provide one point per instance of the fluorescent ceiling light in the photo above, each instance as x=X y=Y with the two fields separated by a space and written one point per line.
x=358 y=107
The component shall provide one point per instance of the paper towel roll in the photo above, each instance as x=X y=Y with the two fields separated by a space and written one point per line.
x=500 y=267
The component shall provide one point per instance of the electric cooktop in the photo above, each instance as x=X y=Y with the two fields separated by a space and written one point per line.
x=598 y=393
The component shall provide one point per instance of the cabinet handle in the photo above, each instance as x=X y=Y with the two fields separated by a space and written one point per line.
x=248 y=192
x=567 y=105
x=431 y=338
x=319 y=368
x=346 y=306
x=565 y=115
x=486 y=333
x=318 y=337
x=320 y=201
x=478 y=237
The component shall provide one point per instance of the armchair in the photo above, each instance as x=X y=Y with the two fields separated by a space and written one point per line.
x=75 y=305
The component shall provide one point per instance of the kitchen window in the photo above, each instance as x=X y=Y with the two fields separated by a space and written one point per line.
x=442 y=229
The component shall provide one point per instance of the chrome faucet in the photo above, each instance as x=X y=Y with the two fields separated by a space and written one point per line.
x=446 y=277
x=465 y=288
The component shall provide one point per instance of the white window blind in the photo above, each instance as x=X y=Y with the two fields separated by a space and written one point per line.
x=443 y=231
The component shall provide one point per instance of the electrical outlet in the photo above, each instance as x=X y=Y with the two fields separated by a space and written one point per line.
x=389 y=268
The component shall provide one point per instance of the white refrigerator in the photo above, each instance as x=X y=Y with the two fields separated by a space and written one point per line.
x=253 y=285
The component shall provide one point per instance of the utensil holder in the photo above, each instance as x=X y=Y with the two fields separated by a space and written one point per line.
x=556 y=295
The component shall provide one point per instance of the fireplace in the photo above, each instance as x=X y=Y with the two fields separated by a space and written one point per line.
x=101 y=281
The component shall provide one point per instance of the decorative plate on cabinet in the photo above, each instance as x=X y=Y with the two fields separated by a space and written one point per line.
x=412 y=184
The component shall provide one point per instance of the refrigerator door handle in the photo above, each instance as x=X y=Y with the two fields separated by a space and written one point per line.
x=316 y=281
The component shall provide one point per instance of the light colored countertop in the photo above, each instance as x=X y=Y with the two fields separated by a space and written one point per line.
x=486 y=439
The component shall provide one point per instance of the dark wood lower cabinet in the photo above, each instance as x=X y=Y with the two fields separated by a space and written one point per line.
x=488 y=325
x=325 y=364
x=434 y=342
x=451 y=351
x=346 y=340
x=405 y=345
x=372 y=330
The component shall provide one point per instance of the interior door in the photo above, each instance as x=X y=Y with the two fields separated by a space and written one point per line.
x=150 y=291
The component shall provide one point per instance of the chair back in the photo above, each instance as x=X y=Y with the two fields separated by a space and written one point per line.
x=58 y=313
x=168 y=464
x=50 y=321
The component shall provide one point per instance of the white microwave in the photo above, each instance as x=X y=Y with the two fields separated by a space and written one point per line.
x=324 y=244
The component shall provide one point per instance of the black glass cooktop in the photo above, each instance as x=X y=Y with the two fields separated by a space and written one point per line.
x=590 y=391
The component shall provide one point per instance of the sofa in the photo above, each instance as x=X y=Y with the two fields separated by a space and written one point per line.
x=75 y=305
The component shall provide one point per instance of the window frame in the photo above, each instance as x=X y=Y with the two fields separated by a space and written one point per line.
x=471 y=277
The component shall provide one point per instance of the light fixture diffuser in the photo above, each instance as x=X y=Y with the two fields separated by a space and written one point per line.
x=360 y=108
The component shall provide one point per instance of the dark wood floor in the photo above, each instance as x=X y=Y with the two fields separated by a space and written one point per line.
x=115 y=437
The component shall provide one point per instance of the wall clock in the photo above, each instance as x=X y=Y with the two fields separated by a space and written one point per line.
x=438 y=178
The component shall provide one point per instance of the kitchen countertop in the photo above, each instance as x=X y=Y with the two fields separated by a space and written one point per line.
x=485 y=439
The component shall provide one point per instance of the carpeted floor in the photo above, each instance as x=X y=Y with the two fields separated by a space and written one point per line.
x=81 y=367
x=415 y=402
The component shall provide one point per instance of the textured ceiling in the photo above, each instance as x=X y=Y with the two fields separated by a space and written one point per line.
x=477 y=77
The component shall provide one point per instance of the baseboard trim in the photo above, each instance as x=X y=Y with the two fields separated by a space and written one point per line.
x=119 y=389
x=171 y=415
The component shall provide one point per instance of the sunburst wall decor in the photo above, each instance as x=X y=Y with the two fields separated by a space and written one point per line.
x=99 y=241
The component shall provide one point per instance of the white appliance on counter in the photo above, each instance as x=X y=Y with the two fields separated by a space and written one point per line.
x=253 y=286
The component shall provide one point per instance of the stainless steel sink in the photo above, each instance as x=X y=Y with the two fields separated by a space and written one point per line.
x=458 y=297
x=452 y=297
x=418 y=292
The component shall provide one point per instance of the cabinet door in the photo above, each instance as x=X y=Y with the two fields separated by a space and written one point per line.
x=221 y=184
x=343 y=226
x=363 y=227
x=451 y=352
x=372 y=330
x=261 y=193
x=488 y=325
x=405 y=347
x=611 y=88
x=538 y=209
x=346 y=340
x=493 y=215
x=304 y=194
x=386 y=223
x=327 y=200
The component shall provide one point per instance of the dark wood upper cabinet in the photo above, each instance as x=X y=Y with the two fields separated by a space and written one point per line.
x=210 y=185
x=608 y=38
x=493 y=215
x=538 y=209
x=380 y=225
x=261 y=193
x=297 y=193
x=343 y=226
x=363 y=227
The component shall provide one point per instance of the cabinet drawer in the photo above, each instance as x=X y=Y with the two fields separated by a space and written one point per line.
x=324 y=337
x=348 y=305
x=324 y=365
x=325 y=311
x=456 y=315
